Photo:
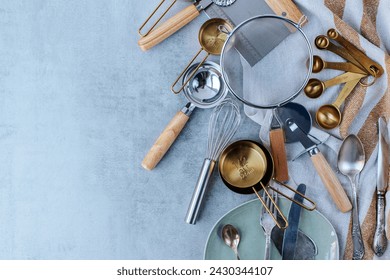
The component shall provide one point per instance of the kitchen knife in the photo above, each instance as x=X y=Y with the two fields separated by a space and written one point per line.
x=382 y=180
x=291 y=233
x=236 y=13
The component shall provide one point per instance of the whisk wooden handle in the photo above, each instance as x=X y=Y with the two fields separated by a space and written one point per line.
x=165 y=140
x=169 y=27
x=285 y=8
x=331 y=182
x=279 y=156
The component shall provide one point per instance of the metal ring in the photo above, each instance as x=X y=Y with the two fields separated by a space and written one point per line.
x=373 y=81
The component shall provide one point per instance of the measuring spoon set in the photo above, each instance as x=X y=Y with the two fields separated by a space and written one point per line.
x=357 y=66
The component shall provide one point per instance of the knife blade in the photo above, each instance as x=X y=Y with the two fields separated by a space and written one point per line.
x=291 y=233
x=382 y=180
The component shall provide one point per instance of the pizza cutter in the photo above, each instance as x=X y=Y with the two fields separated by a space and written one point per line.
x=297 y=123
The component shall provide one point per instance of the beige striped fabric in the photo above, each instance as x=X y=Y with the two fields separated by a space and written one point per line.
x=368 y=131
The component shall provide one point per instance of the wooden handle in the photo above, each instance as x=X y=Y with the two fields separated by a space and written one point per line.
x=285 y=8
x=331 y=182
x=164 y=141
x=168 y=28
x=278 y=151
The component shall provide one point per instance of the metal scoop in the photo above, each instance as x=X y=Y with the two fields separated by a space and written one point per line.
x=206 y=89
x=293 y=131
x=329 y=116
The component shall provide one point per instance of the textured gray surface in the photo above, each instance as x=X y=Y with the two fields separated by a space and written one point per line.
x=80 y=105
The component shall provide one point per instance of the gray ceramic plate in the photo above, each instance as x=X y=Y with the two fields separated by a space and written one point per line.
x=246 y=218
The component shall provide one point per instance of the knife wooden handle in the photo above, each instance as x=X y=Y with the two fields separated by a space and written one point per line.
x=169 y=27
x=285 y=8
x=279 y=156
x=165 y=140
x=331 y=182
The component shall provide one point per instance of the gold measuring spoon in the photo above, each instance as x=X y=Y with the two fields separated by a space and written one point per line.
x=315 y=87
x=319 y=64
x=369 y=65
x=323 y=43
x=329 y=116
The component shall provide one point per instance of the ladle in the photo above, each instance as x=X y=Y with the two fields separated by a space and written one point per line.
x=329 y=116
x=231 y=237
x=315 y=87
x=319 y=64
x=369 y=65
x=323 y=43
x=351 y=160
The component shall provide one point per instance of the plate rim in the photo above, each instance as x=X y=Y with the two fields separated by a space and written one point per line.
x=255 y=199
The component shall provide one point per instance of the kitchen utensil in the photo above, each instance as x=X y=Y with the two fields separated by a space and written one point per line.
x=211 y=39
x=329 y=116
x=323 y=43
x=248 y=52
x=291 y=233
x=175 y=23
x=306 y=248
x=224 y=122
x=371 y=67
x=206 y=89
x=315 y=87
x=319 y=64
x=231 y=237
x=267 y=222
x=351 y=161
x=382 y=181
x=318 y=230
x=233 y=11
x=247 y=167
x=293 y=132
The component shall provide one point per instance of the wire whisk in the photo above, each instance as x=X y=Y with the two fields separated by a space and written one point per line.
x=224 y=122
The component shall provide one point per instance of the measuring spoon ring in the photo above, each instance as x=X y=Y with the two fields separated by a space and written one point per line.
x=369 y=65
x=323 y=43
x=329 y=116
x=319 y=64
x=315 y=87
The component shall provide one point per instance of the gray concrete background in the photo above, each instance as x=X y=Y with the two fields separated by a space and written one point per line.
x=80 y=105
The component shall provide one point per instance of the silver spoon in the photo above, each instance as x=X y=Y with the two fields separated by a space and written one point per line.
x=351 y=160
x=232 y=238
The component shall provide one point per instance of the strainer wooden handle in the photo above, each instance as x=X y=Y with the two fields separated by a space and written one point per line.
x=165 y=140
x=168 y=28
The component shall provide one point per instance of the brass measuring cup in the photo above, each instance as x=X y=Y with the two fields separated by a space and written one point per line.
x=246 y=167
x=212 y=37
x=329 y=116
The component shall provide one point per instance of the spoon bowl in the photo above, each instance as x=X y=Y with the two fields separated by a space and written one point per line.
x=231 y=237
x=350 y=162
x=314 y=88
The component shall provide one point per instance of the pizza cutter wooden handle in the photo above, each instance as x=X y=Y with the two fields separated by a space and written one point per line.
x=279 y=156
x=331 y=182
x=169 y=27
x=165 y=140
x=285 y=8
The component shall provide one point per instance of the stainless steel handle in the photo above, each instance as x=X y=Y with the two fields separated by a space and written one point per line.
x=200 y=189
x=357 y=240
x=380 y=240
x=267 y=254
